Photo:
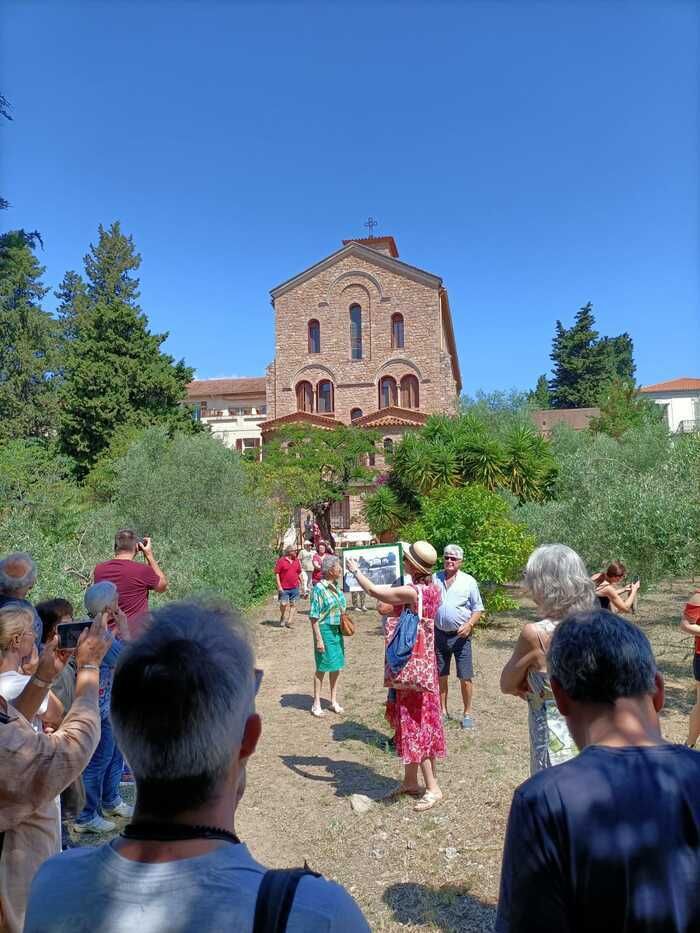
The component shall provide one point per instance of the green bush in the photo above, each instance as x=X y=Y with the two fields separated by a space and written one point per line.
x=636 y=499
x=212 y=531
x=496 y=548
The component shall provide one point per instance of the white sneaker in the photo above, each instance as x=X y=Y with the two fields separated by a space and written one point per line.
x=95 y=825
x=317 y=711
x=337 y=708
x=123 y=809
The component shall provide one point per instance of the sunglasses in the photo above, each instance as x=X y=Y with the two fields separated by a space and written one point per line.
x=450 y=557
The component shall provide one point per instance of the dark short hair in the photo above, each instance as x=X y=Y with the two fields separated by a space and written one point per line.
x=598 y=657
x=125 y=540
x=181 y=696
x=51 y=611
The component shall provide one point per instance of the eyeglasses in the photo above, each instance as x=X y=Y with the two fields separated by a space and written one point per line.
x=450 y=557
x=258 y=679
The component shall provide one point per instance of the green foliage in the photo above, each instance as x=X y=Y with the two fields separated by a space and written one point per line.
x=635 y=498
x=211 y=528
x=622 y=408
x=28 y=348
x=384 y=512
x=114 y=370
x=540 y=398
x=498 y=453
x=311 y=468
x=583 y=363
x=496 y=548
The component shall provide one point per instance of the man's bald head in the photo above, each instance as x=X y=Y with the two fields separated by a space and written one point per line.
x=17 y=574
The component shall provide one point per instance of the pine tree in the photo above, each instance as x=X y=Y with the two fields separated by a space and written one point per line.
x=29 y=344
x=73 y=299
x=539 y=397
x=585 y=364
x=114 y=370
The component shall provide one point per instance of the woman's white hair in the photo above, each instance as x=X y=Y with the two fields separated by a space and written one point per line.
x=328 y=563
x=558 y=581
x=100 y=596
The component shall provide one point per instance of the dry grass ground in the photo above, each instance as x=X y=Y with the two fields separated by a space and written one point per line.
x=436 y=871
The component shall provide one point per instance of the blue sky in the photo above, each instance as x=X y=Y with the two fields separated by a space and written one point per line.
x=535 y=155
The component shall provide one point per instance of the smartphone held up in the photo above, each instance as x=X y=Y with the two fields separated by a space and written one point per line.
x=69 y=633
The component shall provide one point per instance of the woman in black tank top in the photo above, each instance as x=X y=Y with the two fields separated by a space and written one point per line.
x=609 y=597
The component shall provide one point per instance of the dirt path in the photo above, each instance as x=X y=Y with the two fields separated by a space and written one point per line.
x=433 y=871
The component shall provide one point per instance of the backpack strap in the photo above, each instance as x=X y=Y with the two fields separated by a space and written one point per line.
x=275 y=898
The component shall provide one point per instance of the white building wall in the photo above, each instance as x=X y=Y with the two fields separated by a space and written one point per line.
x=682 y=408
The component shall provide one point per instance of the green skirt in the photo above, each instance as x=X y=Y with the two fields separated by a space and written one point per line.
x=333 y=658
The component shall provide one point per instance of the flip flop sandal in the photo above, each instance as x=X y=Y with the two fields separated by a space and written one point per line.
x=427 y=801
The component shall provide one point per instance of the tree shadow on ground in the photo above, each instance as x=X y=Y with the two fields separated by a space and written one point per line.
x=351 y=731
x=680 y=699
x=681 y=670
x=349 y=777
x=449 y=907
x=296 y=701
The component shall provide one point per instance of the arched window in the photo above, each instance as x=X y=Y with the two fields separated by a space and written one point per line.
x=397 y=331
x=305 y=396
x=324 y=395
x=387 y=392
x=409 y=392
x=355 y=332
x=388 y=448
x=314 y=329
x=355 y=413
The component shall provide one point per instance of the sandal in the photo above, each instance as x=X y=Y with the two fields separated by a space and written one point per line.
x=428 y=801
x=337 y=708
x=317 y=711
x=403 y=792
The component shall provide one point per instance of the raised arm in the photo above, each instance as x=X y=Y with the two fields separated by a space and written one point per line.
x=146 y=549
x=394 y=595
x=617 y=601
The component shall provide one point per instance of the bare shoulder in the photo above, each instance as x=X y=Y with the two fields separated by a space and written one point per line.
x=694 y=599
x=529 y=634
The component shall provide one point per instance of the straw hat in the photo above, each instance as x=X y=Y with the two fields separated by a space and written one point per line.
x=422 y=555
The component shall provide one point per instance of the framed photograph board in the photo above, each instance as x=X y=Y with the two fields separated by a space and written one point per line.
x=382 y=563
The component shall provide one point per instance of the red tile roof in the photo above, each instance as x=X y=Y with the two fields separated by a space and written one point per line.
x=200 y=388
x=391 y=417
x=682 y=384
x=299 y=417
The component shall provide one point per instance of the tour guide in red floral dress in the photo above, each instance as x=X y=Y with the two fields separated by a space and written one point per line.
x=416 y=716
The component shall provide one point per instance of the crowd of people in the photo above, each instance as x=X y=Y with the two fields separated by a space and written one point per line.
x=604 y=836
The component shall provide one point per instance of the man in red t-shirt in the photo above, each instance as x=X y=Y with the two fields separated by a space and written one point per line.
x=132 y=579
x=288 y=575
x=690 y=624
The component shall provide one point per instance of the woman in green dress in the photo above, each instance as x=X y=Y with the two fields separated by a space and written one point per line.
x=327 y=605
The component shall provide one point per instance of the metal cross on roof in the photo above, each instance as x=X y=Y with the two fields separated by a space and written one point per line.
x=371 y=224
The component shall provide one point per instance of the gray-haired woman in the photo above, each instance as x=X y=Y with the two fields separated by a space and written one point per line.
x=327 y=605
x=559 y=583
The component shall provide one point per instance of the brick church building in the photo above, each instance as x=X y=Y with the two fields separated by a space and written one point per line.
x=361 y=338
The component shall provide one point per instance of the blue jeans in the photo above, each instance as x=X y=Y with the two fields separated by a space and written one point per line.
x=102 y=775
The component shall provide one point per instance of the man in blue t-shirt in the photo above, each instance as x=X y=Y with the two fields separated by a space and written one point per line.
x=183 y=711
x=608 y=841
x=460 y=609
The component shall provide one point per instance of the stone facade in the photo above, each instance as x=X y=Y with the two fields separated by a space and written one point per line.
x=384 y=386
x=382 y=286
